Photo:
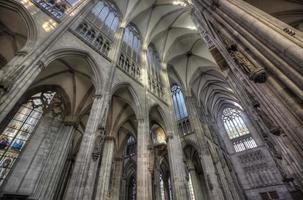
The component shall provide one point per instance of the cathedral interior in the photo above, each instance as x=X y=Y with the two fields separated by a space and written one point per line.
x=151 y=99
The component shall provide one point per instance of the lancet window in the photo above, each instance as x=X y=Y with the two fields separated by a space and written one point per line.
x=237 y=130
x=131 y=146
x=154 y=69
x=21 y=127
x=179 y=103
x=99 y=26
x=131 y=48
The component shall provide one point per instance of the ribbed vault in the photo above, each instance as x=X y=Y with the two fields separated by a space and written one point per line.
x=168 y=25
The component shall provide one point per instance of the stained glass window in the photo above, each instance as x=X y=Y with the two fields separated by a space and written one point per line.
x=131 y=146
x=237 y=130
x=132 y=42
x=105 y=16
x=178 y=102
x=154 y=70
x=19 y=130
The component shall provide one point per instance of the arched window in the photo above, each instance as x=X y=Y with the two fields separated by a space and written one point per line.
x=131 y=146
x=105 y=16
x=21 y=127
x=179 y=103
x=131 y=48
x=237 y=130
x=102 y=22
x=154 y=69
x=132 y=42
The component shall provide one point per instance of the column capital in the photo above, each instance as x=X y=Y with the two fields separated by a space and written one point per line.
x=97 y=96
x=109 y=138
x=71 y=121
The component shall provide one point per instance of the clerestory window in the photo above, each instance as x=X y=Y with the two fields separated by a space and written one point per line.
x=105 y=16
x=179 y=103
x=154 y=69
x=237 y=131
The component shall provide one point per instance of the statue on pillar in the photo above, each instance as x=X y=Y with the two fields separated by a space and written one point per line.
x=98 y=143
x=257 y=74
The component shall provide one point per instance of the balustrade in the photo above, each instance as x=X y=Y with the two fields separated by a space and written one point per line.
x=184 y=126
x=56 y=9
x=100 y=42
x=129 y=66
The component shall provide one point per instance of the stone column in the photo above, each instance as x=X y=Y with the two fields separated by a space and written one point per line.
x=144 y=179
x=82 y=182
x=203 y=134
x=175 y=151
x=254 y=33
x=116 y=191
x=102 y=191
x=177 y=166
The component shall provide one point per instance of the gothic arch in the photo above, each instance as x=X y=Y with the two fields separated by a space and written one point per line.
x=97 y=76
x=161 y=118
x=31 y=27
x=136 y=105
x=18 y=31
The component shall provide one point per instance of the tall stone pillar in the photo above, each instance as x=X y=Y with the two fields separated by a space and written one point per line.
x=156 y=185
x=175 y=151
x=83 y=177
x=202 y=132
x=262 y=39
x=116 y=190
x=102 y=191
x=177 y=166
x=144 y=179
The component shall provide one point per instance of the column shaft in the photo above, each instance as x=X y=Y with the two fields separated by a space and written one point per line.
x=105 y=170
x=144 y=179
x=83 y=177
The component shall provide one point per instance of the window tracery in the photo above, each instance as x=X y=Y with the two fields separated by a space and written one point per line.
x=154 y=70
x=22 y=126
x=57 y=8
x=99 y=25
x=179 y=103
x=180 y=110
x=237 y=130
x=129 y=60
x=131 y=146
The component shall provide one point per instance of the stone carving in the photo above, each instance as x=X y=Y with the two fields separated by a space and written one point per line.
x=98 y=144
x=265 y=118
x=257 y=74
x=289 y=31
x=210 y=185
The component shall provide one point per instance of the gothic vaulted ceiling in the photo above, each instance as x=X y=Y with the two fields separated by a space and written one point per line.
x=167 y=24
